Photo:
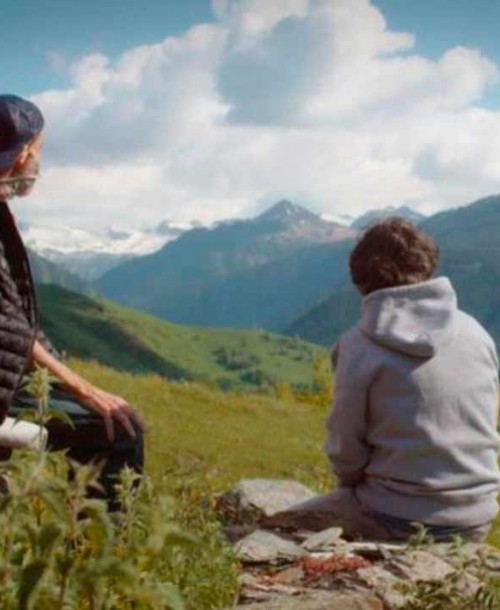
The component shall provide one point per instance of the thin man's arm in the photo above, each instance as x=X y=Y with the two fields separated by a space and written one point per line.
x=108 y=405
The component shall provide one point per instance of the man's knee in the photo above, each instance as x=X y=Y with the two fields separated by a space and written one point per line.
x=19 y=434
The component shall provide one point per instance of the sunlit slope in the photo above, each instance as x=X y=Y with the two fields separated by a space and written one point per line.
x=192 y=427
x=128 y=340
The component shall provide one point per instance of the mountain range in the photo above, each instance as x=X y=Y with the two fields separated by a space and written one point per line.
x=249 y=273
x=90 y=254
x=470 y=255
x=404 y=211
x=287 y=271
x=47 y=272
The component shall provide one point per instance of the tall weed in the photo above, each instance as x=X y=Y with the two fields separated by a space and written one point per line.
x=61 y=549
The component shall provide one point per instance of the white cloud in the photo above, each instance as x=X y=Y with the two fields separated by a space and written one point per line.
x=312 y=99
x=247 y=20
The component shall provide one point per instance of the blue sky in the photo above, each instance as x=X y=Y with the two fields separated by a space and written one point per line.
x=41 y=33
x=44 y=36
x=170 y=109
x=441 y=24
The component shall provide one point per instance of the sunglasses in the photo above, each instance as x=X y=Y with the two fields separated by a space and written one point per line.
x=31 y=177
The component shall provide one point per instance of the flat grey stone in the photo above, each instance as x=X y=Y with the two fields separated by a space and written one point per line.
x=421 y=566
x=269 y=592
x=254 y=499
x=266 y=547
x=325 y=540
x=372 y=547
x=374 y=550
x=321 y=600
x=382 y=583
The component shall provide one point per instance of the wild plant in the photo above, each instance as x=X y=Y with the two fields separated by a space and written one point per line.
x=61 y=549
x=470 y=586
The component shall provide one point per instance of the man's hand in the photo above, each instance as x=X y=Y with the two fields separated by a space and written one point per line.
x=112 y=407
x=109 y=406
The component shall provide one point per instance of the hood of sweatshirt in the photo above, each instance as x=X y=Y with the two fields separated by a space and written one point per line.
x=416 y=320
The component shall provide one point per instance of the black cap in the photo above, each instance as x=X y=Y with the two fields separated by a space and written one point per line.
x=20 y=122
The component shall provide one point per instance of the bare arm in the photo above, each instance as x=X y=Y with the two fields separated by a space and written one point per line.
x=108 y=405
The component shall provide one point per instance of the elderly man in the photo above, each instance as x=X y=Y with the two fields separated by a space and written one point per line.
x=105 y=427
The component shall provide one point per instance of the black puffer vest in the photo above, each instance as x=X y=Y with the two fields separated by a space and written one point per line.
x=18 y=310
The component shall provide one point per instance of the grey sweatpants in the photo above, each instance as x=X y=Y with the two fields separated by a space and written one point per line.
x=342 y=508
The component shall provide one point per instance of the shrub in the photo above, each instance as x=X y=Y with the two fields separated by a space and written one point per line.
x=61 y=549
x=235 y=360
x=259 y=378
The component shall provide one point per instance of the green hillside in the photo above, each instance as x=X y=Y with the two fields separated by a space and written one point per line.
x=131 y=341
x=47 y=272
x=325 y=323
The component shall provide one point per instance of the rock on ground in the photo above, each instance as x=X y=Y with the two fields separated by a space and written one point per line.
x=261 y=546
x=255 y=499
x=298 y=569
x=323 y=541
x=320 y=600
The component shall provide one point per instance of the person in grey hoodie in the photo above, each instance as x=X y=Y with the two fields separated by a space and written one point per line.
x=412 y=436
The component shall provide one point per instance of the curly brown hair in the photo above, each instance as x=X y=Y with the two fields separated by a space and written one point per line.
x=393 y=252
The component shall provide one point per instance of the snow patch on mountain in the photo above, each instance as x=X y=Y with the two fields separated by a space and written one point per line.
x=91 y=254
x=114 y=240
x=342 y=219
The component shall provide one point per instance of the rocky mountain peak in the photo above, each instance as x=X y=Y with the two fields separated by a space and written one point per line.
x=286 y=211
x=169 y=229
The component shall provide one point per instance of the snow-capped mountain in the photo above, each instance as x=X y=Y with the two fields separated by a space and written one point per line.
x=90 y=254
x=342 y=219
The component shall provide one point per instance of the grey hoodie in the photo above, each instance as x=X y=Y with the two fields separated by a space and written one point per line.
x=414 y=420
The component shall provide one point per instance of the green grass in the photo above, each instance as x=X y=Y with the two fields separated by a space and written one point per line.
x=221 y=436
x=198 y=433
x=135 y=342
x=200 y=441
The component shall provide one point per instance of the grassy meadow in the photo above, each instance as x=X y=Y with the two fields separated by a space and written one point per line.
x=195 y=430
x=204 y=435
x=132 y=341
x=200 y=441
